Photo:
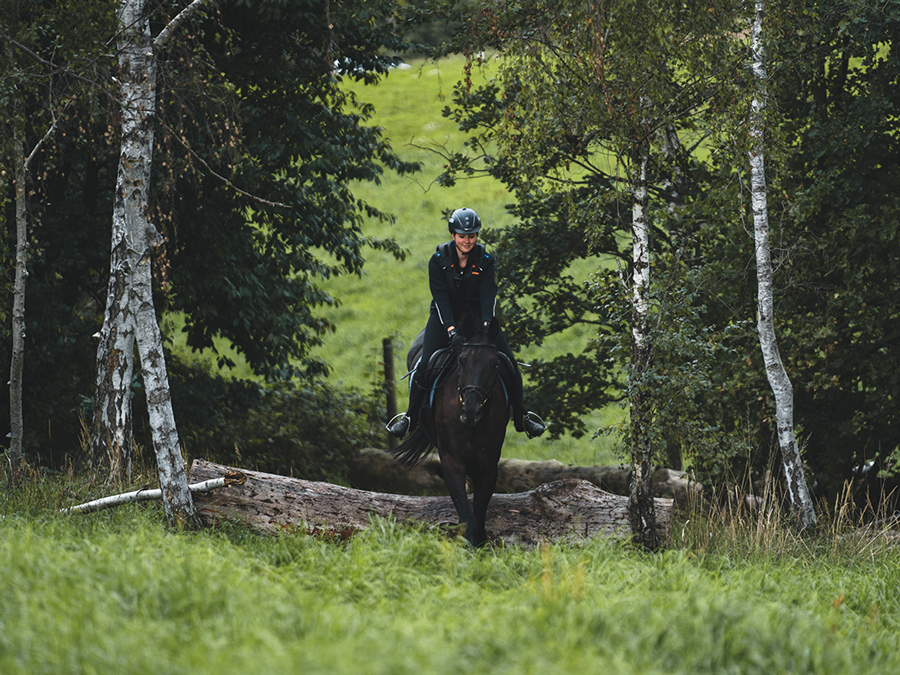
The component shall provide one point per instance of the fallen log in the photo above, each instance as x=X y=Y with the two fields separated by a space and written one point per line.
x=564 y=509
x=375 y=470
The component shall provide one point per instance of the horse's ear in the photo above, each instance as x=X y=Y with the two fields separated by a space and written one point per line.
x=494 y=329
x=468 y=327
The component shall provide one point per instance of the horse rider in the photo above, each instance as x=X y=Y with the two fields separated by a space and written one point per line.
x=463 y=282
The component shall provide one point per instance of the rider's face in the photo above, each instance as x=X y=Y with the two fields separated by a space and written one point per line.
x=465 y=242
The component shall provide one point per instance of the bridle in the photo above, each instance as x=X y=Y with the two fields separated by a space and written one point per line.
x=483 y=393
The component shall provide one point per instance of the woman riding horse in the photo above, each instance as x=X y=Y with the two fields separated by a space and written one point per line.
x=463 y=282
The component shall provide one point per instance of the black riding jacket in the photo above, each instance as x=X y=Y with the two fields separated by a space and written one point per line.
x=457 y=291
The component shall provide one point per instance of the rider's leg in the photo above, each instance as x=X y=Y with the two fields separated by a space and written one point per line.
x=435 y=338
x=525 y=421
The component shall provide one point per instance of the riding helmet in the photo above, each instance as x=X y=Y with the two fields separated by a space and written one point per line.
x=464 y=221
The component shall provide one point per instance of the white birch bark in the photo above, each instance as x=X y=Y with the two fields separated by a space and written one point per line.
x=777 y=376
x=640 y=504
x=17 y=364
x=130 y=317
x=231 y=478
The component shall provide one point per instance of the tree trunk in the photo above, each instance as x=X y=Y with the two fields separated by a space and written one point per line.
x=777 y=376
x=17 y=364
x=640 y=503
x=130 y=317
x=112 y=428
x=169 y=460
x=111 y=439
x=569 y=509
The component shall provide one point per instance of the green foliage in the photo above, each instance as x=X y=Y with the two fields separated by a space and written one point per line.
x=837 y=102
x=88 y=593
x=305 y=429
x=580 y=90
x=565 y=112
x=695 y=410
x=286 y=132
x=833 y=219
x=250 y=100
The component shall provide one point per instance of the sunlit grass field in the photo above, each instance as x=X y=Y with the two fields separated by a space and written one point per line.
x=118 y=592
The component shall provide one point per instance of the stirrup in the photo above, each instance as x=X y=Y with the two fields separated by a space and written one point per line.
x=396 y=419
x=535 y=418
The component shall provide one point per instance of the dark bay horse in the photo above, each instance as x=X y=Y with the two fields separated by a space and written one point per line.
x=470 y=419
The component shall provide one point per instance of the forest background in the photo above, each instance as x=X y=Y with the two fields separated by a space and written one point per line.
x=832 y=171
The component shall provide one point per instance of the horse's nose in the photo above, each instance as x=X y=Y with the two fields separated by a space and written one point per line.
x=470 y=417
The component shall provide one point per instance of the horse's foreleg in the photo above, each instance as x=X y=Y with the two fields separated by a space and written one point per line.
x=455 y=477
x=483 y=490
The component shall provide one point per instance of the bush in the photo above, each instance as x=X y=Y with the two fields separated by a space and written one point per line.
x=306 y=429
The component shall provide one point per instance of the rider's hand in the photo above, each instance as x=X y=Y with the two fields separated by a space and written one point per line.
x=456 y=340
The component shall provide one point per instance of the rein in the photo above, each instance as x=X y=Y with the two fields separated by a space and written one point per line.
x=481 y=391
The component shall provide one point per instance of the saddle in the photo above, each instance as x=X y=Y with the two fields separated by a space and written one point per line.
x=436 y=372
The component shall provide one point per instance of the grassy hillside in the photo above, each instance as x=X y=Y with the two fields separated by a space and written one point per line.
x=117 y=592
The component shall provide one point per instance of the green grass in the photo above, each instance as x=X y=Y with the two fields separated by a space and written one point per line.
x=117 y=591
x=391 y=298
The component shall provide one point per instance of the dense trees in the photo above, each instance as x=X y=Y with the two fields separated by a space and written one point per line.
x=836 y=89
x=832 y=155
x=585 y=112
x=257 y=146
x=47 y=63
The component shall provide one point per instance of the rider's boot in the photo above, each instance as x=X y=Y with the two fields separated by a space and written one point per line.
x=532 y=425
x=400 y=425
x=528 y=422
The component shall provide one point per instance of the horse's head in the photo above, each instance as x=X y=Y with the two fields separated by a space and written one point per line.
x=479 y=364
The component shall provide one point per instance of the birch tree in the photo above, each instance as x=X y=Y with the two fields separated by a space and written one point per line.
x=779 y=381
x=18 y=317
x=130 y=318
x=15 y=150
x=53 y=74
x=641 y=514
x=17 y=364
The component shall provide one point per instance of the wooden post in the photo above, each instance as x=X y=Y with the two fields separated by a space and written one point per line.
x=390 y=388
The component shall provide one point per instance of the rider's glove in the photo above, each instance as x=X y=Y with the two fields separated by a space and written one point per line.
x=456 y=340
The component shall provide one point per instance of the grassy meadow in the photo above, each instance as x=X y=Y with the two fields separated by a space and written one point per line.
x=391 y=298
x=116 y=591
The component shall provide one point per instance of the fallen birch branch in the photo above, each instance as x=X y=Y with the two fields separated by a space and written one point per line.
x=232 y=478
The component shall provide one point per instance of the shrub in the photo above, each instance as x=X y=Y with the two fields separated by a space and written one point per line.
x=307 y=429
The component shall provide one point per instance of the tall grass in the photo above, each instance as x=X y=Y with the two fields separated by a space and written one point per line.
x=116 y=591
